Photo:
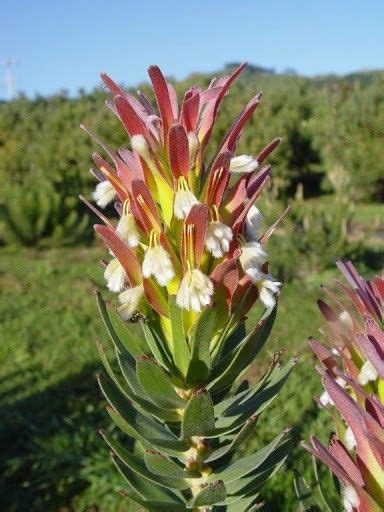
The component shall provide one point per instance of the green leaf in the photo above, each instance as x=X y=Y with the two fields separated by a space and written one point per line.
x=237 y=362
x=257 y=478
x=147 y=493
x=147 y=426
x=237 y=439
x=137 y=465
x=157 y=385
x=171 y=447
x=161 y=465
x=199 y=419
x=201 y=339
x=256 y=399
x=181 y=352
x=307 y=502
x=246 y=465
x=158 y=347
x=209 y=495
x=130 y=341
x=108 y=386
x=243 y=504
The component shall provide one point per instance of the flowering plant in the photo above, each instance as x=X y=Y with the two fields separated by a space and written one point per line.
x=188 y=261
x=352 y=374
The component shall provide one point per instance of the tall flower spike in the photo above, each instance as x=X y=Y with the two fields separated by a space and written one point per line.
x=183 y=273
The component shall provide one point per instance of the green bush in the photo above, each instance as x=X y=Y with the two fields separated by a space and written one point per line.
x=312 y=236
x=35 y=214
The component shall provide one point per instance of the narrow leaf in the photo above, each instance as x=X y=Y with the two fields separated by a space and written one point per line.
x=157 y=385
x=198 y=417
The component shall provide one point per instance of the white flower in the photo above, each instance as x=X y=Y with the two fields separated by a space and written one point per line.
x=218 y=238
x=130 y=300
x=252 y=257
x=115 y=275
x=252 y=224
x=126 y=229
x=140 y=145
x=243 y=163
x=195 y=291
x=184 y=199
x=325 y=399
x=350 y=498
x=269 y=289
x=104 y=193
x=349 y=439
x=346 y=322
x=367 y=373
x=157 y=263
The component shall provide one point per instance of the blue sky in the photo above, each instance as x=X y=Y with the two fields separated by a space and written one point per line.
x=65 y=44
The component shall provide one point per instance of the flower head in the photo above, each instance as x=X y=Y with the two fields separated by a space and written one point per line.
x=195 y=291
x=164 y=188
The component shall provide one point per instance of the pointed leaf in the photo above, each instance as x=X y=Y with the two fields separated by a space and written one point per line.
x=200 y=342
x=137 y=466
x=181 y=352
x=161 y=465
x=157 y=385
x=209 y=495
x=198 y=417
x=234 y=364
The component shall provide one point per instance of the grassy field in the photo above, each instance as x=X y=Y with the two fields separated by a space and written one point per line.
x=50 y=406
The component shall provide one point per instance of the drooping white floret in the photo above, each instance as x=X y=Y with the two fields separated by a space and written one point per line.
x=367 y=373
x=157 y=263
x=350 y=498
x=115 y=275
x=252 y=257
x=126 y=230
x=195 y=291
x=104 y=193
x=130 y=301
x=243 y=164
x=218 y=238
x=253 y=222
x=349 y=439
